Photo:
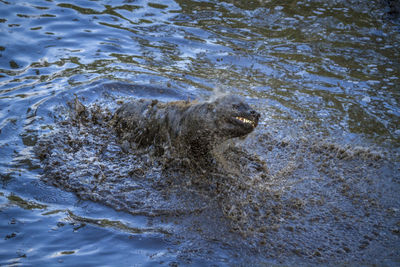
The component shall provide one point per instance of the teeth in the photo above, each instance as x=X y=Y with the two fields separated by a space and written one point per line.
x=246 y=121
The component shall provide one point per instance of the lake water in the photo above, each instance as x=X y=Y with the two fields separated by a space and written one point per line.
x=315 y=70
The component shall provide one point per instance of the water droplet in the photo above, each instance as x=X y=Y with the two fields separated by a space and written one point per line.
x=366 y=99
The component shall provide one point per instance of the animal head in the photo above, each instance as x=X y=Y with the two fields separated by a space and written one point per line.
x=234 y=117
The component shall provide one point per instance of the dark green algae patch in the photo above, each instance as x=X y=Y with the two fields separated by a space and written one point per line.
x=287 y=193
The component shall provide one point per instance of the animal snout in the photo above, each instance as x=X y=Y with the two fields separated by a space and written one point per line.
x=255 y=114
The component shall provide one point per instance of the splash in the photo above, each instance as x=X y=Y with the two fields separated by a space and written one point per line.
x=286 y=192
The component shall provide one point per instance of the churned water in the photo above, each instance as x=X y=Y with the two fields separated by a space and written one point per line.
x=317 y=182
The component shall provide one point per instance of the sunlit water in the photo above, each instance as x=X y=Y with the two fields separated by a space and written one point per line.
x=335 y=64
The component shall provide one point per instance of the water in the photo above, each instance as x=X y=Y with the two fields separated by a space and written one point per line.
x=333 y=65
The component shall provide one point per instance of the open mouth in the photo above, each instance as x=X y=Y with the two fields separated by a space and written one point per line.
x=247 y=121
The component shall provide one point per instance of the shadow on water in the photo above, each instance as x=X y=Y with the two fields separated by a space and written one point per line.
x=316 y=183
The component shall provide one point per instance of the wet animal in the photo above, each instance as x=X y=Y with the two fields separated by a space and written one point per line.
x=192 y=128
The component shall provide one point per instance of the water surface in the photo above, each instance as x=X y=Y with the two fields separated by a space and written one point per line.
x=332 y=64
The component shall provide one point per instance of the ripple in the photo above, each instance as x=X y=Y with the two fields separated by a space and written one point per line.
x=333 y=63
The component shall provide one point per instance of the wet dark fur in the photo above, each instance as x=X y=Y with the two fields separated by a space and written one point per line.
x=187 y=127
